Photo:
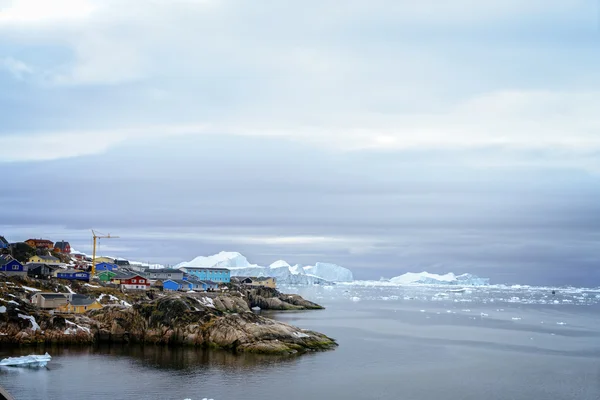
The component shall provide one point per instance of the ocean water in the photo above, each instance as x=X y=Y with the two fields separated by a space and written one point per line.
x=423 y=343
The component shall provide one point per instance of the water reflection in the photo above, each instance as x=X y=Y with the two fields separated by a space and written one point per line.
x=158 y=357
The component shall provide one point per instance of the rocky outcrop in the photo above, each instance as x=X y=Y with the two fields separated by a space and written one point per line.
x=172 y=320
x=272 y=299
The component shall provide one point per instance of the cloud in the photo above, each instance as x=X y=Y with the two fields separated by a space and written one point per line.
x=17 y=68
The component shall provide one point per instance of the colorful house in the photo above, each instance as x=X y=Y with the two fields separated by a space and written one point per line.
x=262 y=281
x=175 y=285
x=41 y=244
x=12 y=267
x=106 y=276
x=44 y=260
x=131 y=281
x=104 y=266
x=219 y=275
x=62 y=247
x=73 y=275
x=41 y=271
x=105 y=260
x=49 y=301
x=4 y=243
x=78 y=304
x=164 y=273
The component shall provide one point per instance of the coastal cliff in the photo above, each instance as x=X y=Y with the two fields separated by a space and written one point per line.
x=214 y=320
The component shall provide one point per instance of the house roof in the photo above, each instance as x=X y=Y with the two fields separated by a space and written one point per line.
x=4 y=241
x=206 y=268
x=73 y=271
x=62 y=244
x=178 y=281
x=37 y=265
x=163 y=271
x=81 y=300
x=5 y=259
x=52 y=295
x=48 y=258
x=40 y=241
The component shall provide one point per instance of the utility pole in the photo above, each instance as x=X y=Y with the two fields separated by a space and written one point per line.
x=96 y=237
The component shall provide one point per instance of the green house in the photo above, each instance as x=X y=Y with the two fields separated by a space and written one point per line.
x=106 y=276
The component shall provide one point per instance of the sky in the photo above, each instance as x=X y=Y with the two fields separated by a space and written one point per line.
x=385 y=136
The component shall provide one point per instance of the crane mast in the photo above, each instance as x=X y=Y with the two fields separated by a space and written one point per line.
x=96 y=237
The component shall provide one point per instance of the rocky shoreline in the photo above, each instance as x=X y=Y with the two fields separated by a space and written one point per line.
x=210 y=320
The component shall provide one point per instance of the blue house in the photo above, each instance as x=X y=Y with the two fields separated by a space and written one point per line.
x=73 y=275
x=104 y=266
x=4 y=243
x=10 y=266
x=175 y=284
x=219 y=275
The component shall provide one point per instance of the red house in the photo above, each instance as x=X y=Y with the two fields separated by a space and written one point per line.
x=131 y=281
x=40 y=244
x=62 y=247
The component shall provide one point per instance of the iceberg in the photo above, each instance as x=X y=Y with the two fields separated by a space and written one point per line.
x=330 y=272
x=31 y=361
x=426 y=278
x=282 y=271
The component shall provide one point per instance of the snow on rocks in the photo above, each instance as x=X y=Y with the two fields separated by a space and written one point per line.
x=34 y=324
x=30 y=289
x=75 y=328
x=2 y=309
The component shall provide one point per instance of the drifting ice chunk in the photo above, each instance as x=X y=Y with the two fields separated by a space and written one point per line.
x=26 y=361
x=425 y=278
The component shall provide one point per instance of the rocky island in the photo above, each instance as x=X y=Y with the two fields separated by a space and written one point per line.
x=223 y=319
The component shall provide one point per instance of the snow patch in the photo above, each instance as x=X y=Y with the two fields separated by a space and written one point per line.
x=300 y=335
x=2 y=309
x=30 y=289
x=34 y=324
x=75 y=328
x=88 y=285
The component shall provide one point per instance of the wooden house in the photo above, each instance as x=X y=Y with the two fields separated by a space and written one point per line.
x=44 y=260
x=130 y=281
x=262 y=281
x=105 y=276
x=12 y=267
x=49 y=301
x=40 y=244
x=73 y=275
x=78 y=304
x=62 y=247
x=41 y=271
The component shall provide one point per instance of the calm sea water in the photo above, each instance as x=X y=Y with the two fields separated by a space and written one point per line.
x=395 y=343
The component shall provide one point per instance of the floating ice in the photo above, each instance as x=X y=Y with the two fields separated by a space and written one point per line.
x=561 y=323
x=426 y=278
x=355 y=298
x=516 y=318
x=26 y=361
x=484 y=314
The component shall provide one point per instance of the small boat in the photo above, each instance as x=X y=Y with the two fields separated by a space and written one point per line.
x=462 y=290
x=30 y=361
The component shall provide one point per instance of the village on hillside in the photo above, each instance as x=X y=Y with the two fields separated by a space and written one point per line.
x=43 y=260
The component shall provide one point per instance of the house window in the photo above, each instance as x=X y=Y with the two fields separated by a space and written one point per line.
x=142 y=281
x=15 y=267
x=134 y=280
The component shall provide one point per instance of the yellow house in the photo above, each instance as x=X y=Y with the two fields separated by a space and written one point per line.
x=44 y=260
x=107 y=260
x=78 y=304
x=264 y=281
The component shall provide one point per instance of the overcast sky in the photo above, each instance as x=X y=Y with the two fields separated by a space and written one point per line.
x=386 y=136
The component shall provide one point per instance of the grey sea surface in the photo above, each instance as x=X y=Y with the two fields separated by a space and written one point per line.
x=421 y=343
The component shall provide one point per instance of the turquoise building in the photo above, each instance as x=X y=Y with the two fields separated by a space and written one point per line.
x=219 y=275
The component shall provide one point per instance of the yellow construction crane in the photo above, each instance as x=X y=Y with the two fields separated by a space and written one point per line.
x=96 y=237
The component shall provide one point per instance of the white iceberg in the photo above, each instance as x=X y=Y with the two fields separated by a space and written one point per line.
x=32 y=361
x=330 y=272
x=426 y=278
x=282 y=271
